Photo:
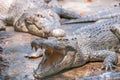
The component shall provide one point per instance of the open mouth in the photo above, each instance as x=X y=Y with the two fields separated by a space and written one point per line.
x=47 y=44
x=54 y=54
x=56 y=59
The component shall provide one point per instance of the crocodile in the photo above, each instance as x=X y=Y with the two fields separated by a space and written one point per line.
x=96 y=43
x=103 y=14
x=99 y=24
x=34 y=16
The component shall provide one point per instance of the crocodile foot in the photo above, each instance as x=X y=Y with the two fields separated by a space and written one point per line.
x=115 y=29
x=59 y=57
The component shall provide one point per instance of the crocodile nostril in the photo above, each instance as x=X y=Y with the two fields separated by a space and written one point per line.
x=40 y=15
x=36 y=76
x=51 y=14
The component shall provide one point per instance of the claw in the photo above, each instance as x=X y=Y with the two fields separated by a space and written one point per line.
x=114 y=66
x=31 y=47
x=108 y=66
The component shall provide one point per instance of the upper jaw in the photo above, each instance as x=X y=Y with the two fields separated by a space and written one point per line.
x=44 y=44
x=64 y=63
x=40 y=72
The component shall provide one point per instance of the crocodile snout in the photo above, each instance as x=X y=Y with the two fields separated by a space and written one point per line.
x=58 y=32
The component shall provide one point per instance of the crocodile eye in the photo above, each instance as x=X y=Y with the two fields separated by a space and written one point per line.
x=65 y=39
x=40 y=15
x=75 y=38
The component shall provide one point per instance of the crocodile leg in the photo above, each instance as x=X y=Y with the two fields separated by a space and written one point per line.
x=105 y=14
x=110 y=58
x=116 y=30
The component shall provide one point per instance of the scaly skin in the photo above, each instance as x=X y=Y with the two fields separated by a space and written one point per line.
x=33 y=16
x=96 y=43
x=104 y=14
x=39 y=23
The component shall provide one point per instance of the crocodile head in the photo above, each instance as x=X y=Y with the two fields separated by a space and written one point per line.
x=57 y=58
x=39 y=22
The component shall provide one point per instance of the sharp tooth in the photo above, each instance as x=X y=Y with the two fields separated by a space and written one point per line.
x=34 y=71
x=35 y=48
x=41 y=47
x=32 y=47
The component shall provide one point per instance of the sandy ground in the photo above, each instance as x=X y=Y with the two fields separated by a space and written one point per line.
x=16 y=45
x=82 y=6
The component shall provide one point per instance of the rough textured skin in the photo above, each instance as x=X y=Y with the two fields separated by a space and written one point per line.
x=104 y=14
x=96 y=43
x=33 y=16
x=43 y=20
x=104 y=76
x=37 y=22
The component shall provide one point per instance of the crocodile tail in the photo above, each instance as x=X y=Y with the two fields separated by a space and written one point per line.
x=104 y=14
x=80 y=20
